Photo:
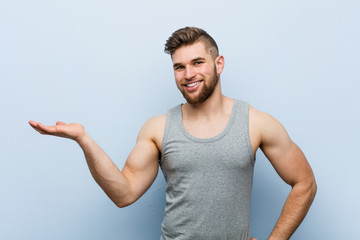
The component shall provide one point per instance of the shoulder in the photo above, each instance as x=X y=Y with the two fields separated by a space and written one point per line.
x=154 y=124
x=259 y=118
x=153 y=129
x=156 y=120
x=267 y=128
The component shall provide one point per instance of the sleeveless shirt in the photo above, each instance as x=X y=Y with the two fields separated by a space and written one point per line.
x=209 y=180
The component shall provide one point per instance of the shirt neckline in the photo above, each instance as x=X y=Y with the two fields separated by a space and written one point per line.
x=211 y=139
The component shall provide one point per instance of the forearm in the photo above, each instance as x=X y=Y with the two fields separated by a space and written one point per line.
x=295 y=209
x=104 y=171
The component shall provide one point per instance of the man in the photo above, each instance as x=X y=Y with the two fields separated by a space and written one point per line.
x=206 y=150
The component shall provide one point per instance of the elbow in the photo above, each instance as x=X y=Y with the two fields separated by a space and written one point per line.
x=313 y=188
x=307 y=188
x=123 y=202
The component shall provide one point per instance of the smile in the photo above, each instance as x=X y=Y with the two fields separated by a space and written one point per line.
x=191 y=85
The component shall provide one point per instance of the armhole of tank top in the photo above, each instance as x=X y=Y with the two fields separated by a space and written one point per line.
x=164 y=140
x=247 y=133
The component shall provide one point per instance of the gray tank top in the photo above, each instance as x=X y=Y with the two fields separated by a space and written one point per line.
x=209 y=180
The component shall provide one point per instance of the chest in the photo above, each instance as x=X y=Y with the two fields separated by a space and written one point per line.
x=227 y=155
x=209 y=158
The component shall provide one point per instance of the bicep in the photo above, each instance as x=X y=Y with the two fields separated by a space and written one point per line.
x=142 y=165
x=286 y=157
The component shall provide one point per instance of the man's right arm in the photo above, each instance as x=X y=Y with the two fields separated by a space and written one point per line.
x=140 y=170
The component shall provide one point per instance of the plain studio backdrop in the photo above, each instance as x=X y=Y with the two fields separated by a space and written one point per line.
x=101 y=63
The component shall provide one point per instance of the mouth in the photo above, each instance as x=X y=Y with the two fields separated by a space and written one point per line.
x=193 y=85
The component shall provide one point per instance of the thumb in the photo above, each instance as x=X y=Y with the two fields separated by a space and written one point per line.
x=60 y=123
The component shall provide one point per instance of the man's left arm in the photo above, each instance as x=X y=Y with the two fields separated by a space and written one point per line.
x=291 y=165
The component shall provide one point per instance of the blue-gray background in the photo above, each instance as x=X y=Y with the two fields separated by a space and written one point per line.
x=101 y=63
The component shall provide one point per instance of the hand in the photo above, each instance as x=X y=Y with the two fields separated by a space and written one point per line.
x=251 y=238
x=74 y=131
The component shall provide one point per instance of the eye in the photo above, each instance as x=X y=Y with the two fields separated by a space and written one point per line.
x=179 y=67
x=198 y=63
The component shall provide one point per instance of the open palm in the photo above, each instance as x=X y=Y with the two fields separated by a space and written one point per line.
x=73 y=131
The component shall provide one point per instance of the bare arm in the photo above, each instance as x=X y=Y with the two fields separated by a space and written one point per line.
x=292 y=166
x=140 y=170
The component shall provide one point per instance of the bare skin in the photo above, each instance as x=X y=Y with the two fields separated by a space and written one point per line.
x=194 y=64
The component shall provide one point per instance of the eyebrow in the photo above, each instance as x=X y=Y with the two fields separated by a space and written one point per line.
x=193 y=60
x=198 y=59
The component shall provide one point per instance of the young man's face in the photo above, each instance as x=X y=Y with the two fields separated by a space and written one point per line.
x=196 y=72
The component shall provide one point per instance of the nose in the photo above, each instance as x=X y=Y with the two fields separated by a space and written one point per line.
x=189 y=73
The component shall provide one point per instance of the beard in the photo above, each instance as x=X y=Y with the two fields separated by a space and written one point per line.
x=206 y=91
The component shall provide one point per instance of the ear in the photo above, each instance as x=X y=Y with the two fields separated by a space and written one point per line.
x=219 y=64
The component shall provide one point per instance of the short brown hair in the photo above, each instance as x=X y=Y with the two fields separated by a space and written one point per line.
x=187 y=36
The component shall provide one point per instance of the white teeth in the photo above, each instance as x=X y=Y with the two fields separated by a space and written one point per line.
x=192 y=84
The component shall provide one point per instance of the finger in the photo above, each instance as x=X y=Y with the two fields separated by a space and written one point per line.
x=37 y=129
x=60 y=123
x=32 y=123
x=41 y=132
x=35 y=126
x=47 y=129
